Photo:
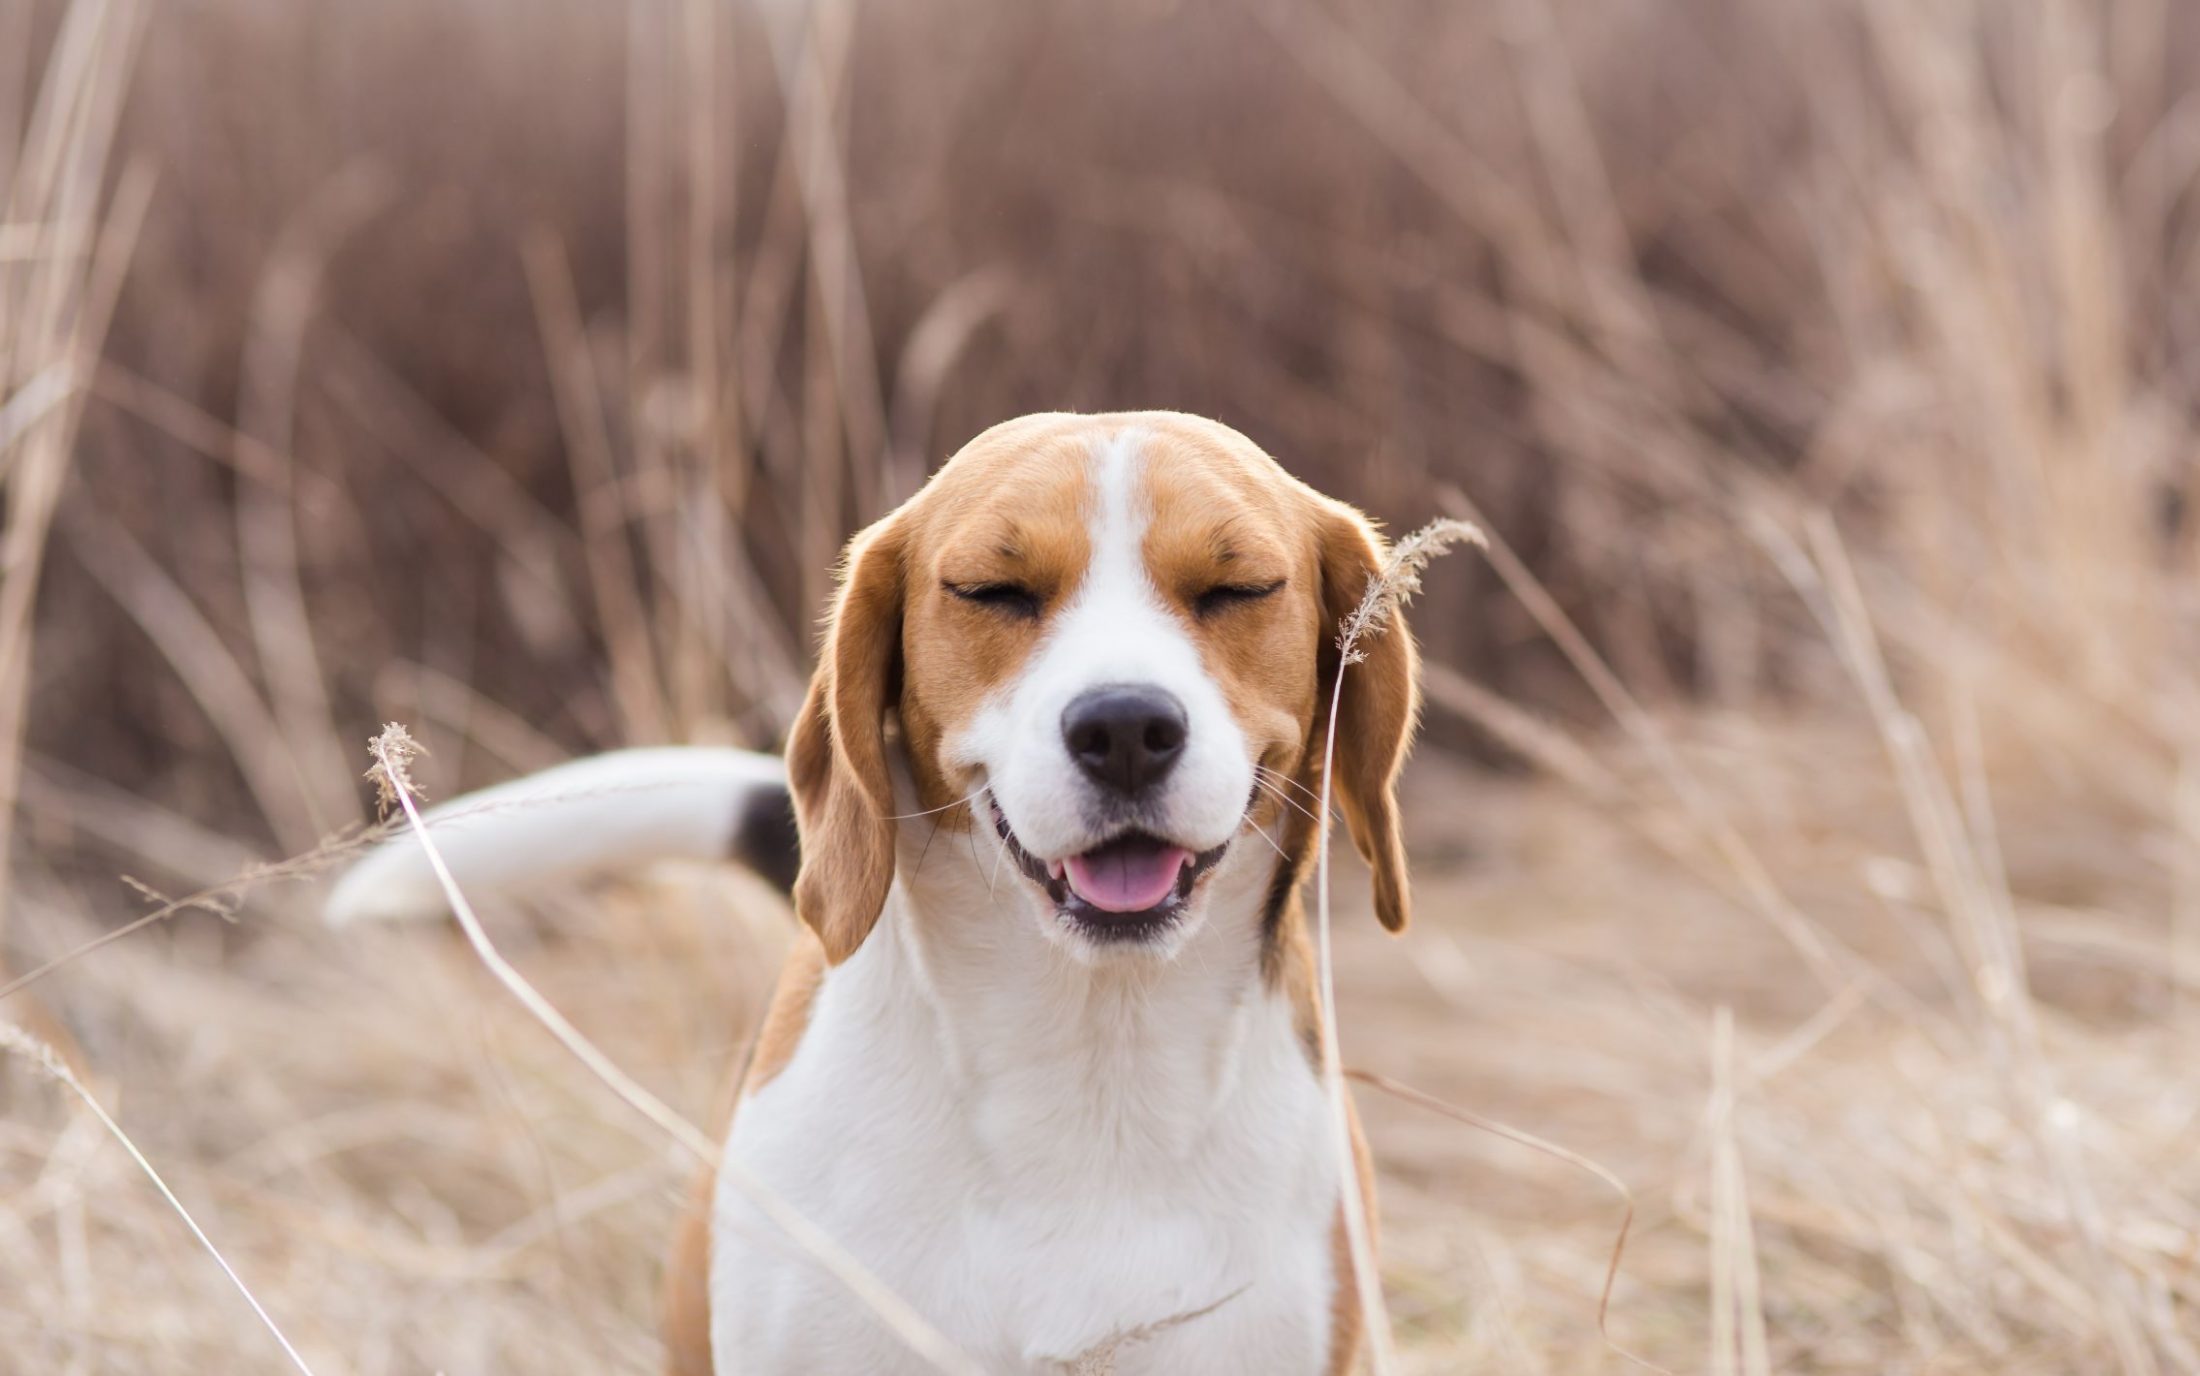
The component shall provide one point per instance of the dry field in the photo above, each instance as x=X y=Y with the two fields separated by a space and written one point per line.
x=1807 y=831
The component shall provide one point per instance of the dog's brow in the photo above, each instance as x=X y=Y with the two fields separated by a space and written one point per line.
x=1009 y=538
x=1222 y=539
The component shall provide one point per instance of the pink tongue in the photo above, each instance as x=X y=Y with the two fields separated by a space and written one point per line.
x=1126 y=878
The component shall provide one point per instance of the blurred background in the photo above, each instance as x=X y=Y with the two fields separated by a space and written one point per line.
x=1808 y=824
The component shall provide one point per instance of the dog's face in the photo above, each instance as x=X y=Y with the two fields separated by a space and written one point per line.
x=1107 y=656
x=1108 y=642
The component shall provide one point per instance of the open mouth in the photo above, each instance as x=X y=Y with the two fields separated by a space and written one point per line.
x=1128 y=888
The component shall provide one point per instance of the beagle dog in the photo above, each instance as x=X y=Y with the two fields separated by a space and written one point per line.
x=1044 y=1056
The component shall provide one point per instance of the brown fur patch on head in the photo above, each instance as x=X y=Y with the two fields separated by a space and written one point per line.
x=1231 y=550
x=1010 y=513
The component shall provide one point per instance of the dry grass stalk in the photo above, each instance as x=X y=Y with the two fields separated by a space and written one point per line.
x=42 y=1057
x=283 y=307
x=1393 y=584
x=1431 y=1103
x=394 y=750
x=1829 y=961
x=613 y=577
x=1102 y=1357
x=202 y=661
x=222 y=900
x=55 y=301
x=1738 y=1343
x=1973 y=893
x=2184 y=956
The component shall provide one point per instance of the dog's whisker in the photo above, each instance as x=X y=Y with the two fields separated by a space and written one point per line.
x=1251 y=826
x=971 y=797
x=1263 y=791
x=929 y=838
x=1280 y=796
x=1277 y=776
x=1286 y=799
x=1275 y=783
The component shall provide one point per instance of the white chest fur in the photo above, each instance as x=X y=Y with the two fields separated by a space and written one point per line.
x=1042 y=1155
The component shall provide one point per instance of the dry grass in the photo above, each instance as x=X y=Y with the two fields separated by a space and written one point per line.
x=44 y=1059
x=1822 y=373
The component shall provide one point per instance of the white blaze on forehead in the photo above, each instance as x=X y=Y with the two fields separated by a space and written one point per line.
x=1113 y=628
x=1121 y=513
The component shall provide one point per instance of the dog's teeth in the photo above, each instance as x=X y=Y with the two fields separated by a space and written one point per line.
x=1057 y=869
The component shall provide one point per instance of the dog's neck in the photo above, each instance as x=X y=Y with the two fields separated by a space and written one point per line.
x=1089 y=1052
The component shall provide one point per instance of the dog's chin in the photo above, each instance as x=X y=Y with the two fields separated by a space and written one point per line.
x=1135 y=893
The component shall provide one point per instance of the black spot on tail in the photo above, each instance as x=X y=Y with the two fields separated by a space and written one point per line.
x=765 y=839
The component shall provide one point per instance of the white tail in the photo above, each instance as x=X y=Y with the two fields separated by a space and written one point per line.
x=594 y=814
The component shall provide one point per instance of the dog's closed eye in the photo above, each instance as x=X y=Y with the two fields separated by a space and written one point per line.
x=1222 y=598
x=1011 y=598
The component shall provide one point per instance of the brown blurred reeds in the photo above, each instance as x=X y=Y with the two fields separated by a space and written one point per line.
x=1829 y=866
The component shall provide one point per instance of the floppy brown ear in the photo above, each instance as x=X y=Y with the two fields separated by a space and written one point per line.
x=836 y=754
x=1380 y=699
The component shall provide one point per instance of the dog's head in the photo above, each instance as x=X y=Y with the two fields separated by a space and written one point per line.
x=1107 y=643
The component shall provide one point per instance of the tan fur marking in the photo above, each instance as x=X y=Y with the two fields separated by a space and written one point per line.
x=1346 y=1322
x=1223 y=515
x=1297 y=976
x=789 y=1015
x=687 y=1283
x=687 y=1268
x=1010 y=509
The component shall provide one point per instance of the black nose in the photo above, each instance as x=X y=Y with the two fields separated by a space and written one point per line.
x=1125 y=737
